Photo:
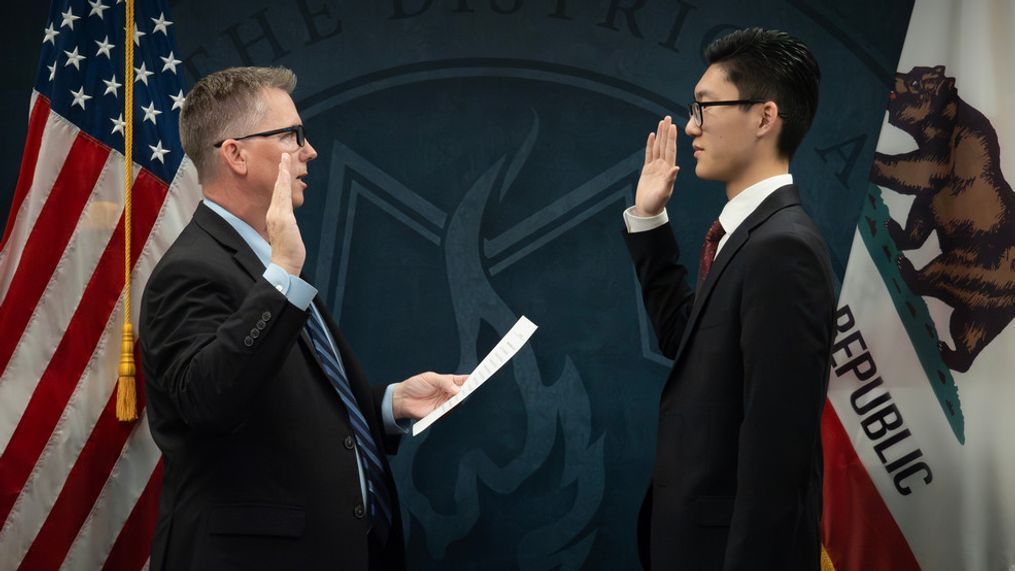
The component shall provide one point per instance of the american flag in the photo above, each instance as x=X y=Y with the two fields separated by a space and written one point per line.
x=79 y=489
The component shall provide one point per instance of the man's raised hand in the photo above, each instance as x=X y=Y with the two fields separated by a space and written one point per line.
x=287 y=249
x=655 y=186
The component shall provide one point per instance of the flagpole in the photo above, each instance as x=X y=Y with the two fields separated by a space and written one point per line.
x=126 y=391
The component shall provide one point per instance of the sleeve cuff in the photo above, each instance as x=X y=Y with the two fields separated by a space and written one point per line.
x=297 y=291
x=637 y=224
x=393 y=427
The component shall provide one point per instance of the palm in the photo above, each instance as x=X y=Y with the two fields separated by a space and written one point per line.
x=287 y=249
x=659 y=171
x=285 y=234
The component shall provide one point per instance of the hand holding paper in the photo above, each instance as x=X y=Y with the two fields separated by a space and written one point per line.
x=501 y=354
x=420 y=394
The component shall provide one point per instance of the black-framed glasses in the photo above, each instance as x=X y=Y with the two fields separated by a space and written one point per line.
x=695 y=107
x=301 y=135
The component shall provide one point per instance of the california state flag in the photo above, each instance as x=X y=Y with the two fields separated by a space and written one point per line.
x=919 y=431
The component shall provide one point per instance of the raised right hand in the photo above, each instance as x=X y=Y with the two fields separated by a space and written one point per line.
x=287 y=249
x=655 y=186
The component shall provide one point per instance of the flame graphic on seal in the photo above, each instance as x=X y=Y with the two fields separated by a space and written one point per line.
x=558 y=410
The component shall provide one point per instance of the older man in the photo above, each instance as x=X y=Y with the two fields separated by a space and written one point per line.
x=273 y=441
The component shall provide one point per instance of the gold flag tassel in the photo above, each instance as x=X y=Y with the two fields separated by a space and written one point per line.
x=826 y=561
x=126 y=389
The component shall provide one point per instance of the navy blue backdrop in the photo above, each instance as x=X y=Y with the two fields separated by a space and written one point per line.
x=475 y=158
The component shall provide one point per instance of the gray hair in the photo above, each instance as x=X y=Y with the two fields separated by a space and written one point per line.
x=225 y=104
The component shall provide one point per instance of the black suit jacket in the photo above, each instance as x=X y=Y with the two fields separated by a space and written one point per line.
x=260 y=471
x=737 y=477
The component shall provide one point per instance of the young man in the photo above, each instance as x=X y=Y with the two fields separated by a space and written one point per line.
x=737 y=479
x=273 y=441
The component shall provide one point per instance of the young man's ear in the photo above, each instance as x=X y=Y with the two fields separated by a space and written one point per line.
x=234 y=157
x=769 y=114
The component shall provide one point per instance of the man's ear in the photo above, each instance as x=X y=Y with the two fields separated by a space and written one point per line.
x=234 y=157
x=768 y=117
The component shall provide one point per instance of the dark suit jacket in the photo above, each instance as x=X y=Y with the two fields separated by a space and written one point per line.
x=260 y=471
x=737 y=477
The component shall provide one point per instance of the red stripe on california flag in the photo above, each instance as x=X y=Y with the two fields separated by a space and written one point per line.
x=859 y=532
x=91 y=470
x=36 y=126
x=134 y=544
x=54 y=389
x=48 y=239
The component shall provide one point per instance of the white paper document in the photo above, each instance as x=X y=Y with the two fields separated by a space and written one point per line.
x=501 y=354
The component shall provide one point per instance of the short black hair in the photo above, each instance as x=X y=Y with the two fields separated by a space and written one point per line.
x=774 y=66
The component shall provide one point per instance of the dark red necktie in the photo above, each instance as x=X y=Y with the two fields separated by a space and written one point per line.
x=708 y=250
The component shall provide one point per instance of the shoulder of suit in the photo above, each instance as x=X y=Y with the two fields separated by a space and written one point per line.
x=788 y=226
x=194 y=251
x=790 y=218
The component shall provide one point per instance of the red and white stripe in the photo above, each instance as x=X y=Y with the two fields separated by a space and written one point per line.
x=856 y=522
x=78 y=489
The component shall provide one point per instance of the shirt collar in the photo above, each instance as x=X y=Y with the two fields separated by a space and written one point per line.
x=258 y=244
x=742 y=205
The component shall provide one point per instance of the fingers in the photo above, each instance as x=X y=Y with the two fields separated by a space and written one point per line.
x=448 y=384
x=282 y=197
x=444 y=382
x=660 y=140
x=670 y=154
x=662 y=144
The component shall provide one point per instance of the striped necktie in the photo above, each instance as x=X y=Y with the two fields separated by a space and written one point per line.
x=369 y=453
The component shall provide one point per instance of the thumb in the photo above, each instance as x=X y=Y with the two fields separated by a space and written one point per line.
x=449 y=384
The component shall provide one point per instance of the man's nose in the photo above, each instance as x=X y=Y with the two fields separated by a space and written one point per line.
x=309 y=152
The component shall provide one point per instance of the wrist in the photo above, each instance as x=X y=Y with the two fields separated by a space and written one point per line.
x=396 y=402
x=643 y=213
x=289 y=266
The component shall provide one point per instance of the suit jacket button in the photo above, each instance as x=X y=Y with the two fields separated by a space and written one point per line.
x=248 y=341
x=261 y=324
x=358 y=511
x=266 y=316
x=349 y=443
x=255 y=332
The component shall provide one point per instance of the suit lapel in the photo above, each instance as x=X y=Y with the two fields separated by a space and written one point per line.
x=308 y=347
x=225 y=235
x=783 y=197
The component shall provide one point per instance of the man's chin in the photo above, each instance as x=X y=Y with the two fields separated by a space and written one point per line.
x=702 y=172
